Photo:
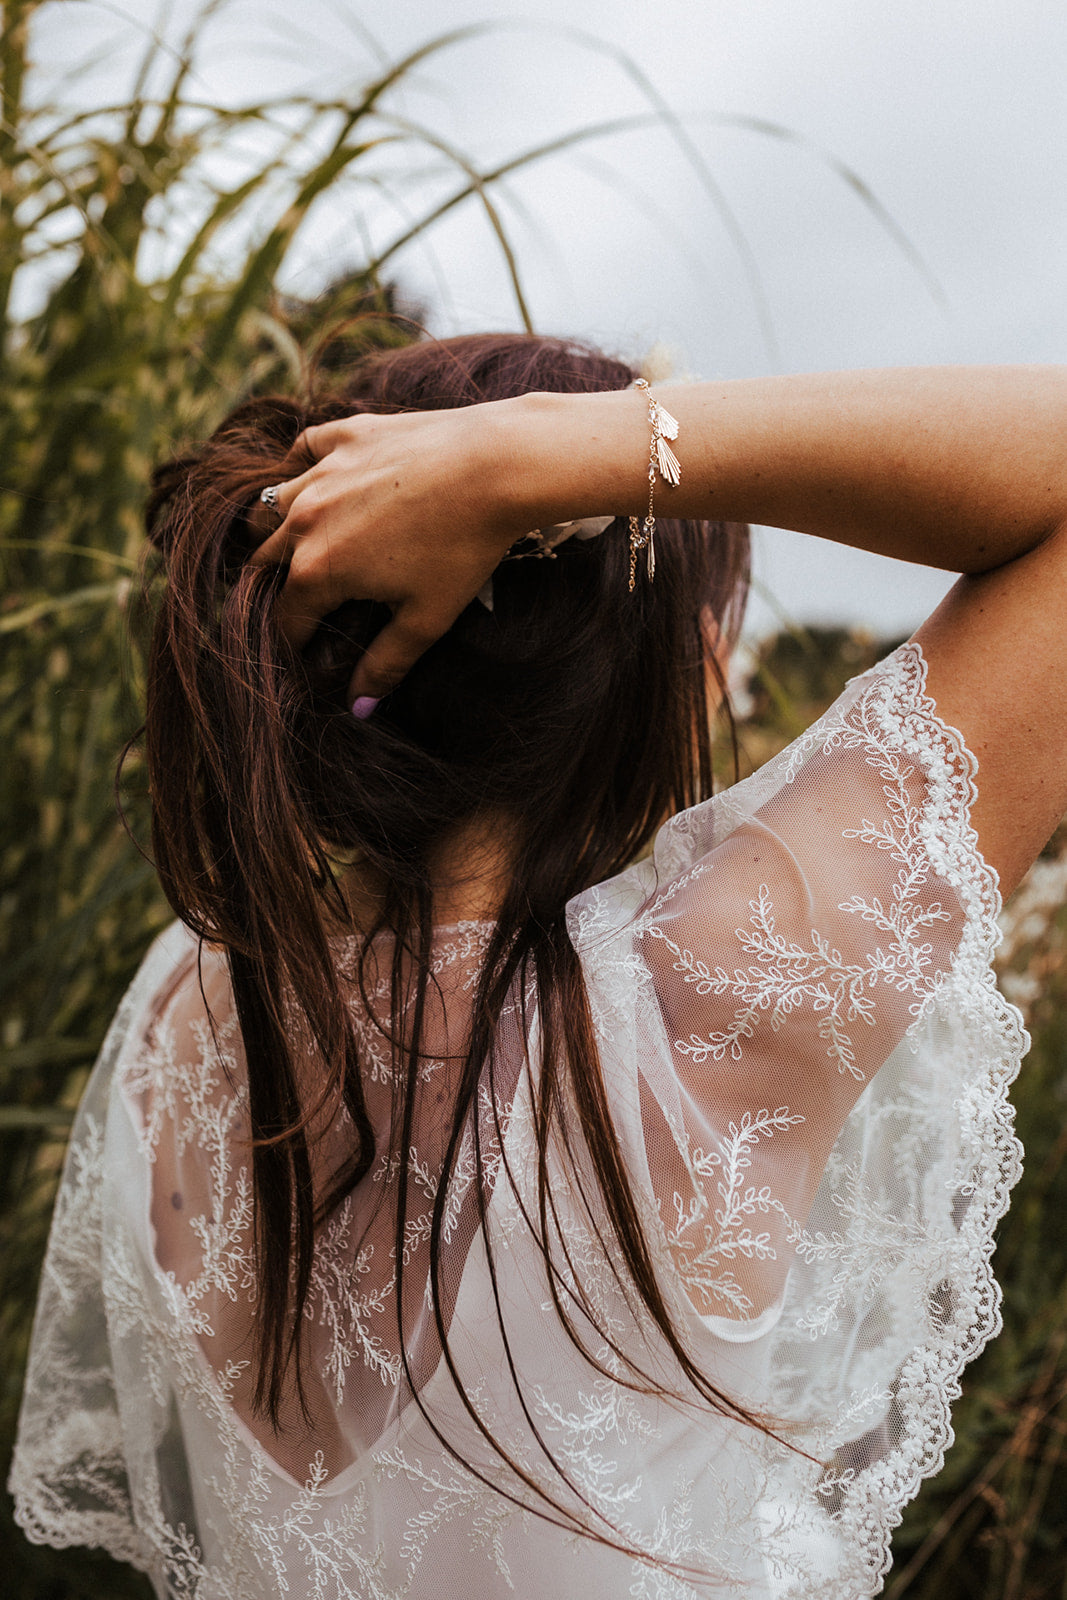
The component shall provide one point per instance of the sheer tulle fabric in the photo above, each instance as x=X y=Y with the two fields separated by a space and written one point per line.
x=807 y=1060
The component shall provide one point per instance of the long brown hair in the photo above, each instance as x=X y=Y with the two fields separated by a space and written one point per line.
x=575 y=709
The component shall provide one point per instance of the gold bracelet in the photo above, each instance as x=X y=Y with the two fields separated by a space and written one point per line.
x=661 y=459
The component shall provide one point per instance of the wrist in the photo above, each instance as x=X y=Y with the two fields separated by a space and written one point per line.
x=557 y=457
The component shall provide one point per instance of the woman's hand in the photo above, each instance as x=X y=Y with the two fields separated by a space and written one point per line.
x=414 y=511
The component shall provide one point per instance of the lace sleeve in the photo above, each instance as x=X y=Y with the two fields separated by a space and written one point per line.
x=810 y=1062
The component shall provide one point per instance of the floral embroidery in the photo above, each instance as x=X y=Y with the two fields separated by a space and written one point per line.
x=845 y=1309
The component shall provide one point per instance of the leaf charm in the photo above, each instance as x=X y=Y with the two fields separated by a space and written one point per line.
x=670 y=469
x=668 y=425
x=661 y=459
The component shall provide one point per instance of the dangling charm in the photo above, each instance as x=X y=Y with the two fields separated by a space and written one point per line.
x=669 y=466
x=661 y=459
x=642 y=537
x=668 y=425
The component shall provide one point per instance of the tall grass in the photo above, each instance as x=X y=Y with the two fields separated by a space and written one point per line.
x=118 y=363
x=152 y=282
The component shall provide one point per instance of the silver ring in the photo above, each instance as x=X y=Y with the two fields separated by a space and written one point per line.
x=269 y=497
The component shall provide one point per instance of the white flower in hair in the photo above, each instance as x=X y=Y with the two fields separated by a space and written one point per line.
x=541 y=544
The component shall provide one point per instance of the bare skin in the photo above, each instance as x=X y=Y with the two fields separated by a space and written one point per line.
x=471 y=873
x=962 y=468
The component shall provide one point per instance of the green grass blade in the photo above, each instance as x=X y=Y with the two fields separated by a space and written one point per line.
x=53 y=605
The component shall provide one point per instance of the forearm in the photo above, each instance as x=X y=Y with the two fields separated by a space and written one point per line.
x=962 y=468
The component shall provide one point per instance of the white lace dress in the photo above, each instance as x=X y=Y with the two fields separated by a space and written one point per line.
x=807 y=1062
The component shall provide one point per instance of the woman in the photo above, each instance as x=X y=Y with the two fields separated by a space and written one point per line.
x=459 y=1207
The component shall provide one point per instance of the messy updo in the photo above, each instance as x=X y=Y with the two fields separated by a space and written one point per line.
x=574 y=709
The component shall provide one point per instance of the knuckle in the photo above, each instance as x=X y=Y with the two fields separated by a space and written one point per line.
x=311 y=443
x=356 y=426
x=302 y=512
x=322 y=438
x=305 y=569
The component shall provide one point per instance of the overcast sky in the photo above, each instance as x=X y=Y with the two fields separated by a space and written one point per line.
x=954 y=112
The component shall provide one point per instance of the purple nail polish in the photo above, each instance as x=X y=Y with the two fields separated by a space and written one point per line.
x=363 y=705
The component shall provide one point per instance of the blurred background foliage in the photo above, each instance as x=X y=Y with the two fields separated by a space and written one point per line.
x=130 y=346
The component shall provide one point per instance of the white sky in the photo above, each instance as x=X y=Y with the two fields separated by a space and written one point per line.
x=952 y=111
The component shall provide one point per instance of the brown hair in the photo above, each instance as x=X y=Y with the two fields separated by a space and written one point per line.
x=575 y=709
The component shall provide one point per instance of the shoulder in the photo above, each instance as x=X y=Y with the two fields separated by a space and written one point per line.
x=174 y=1043
x=881 y=747
x=845 y=866
x=182 y=981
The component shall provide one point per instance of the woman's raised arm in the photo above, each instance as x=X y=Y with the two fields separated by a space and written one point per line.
x=961 y=468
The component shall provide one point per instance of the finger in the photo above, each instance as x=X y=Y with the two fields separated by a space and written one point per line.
x=269 y=520
x=315 y=443
x=394 y=651
x=308 y=450
x=277 y=548
x=301 y=606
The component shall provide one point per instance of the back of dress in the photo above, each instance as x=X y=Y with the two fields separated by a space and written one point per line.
x=806 y=1060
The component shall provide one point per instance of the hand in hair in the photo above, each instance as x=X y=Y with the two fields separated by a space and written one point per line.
x=408 y=510
x=962 y=468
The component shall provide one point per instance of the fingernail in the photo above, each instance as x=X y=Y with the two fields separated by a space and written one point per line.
x=363 y=705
